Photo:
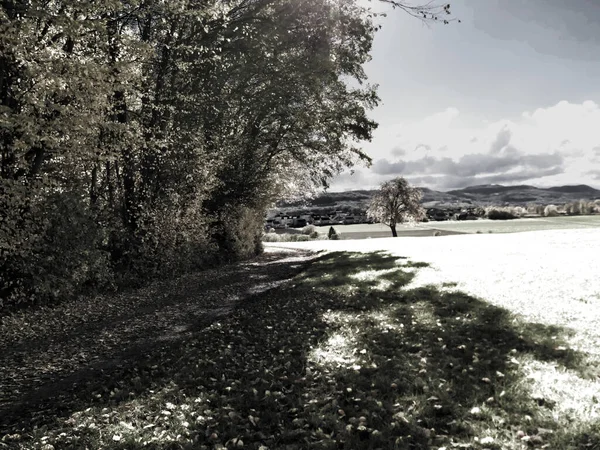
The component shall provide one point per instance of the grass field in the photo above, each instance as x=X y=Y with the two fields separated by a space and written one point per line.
x=361 y=231
x=538 y=287
x=470 y=342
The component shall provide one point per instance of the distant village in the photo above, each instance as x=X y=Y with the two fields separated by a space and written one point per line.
x=495 y=202
x=300 y=219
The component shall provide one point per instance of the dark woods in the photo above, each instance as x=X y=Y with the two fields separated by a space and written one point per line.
x=143 y=137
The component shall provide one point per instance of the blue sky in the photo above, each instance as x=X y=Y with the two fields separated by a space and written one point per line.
x=510 y=96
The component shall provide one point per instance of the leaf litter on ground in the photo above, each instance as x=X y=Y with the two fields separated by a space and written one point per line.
x=310 y=363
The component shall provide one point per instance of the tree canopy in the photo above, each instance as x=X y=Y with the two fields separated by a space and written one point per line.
x=396 y=202
x=167 y=128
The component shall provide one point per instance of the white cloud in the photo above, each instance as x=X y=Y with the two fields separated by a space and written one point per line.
x=549 y=146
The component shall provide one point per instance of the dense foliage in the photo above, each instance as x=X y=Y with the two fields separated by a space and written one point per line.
x=396 y=202
x=498 y=214
x=144 y=137
x=141 y=137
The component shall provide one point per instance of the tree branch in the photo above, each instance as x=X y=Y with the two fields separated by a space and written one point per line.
x=429 y=12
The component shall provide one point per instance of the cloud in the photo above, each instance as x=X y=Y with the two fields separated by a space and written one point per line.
x=471 y=165
x=384 y=167
x=445 y=182
x=423 y=147
x=398 y=151
x=556 y=145
x=501 y=141
x=351 y=181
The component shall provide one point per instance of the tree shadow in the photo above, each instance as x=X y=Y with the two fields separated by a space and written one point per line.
x=40 y=355
x=344 y=357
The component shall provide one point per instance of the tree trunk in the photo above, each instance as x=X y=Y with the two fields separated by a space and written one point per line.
x=94 y=186
x=394 y=233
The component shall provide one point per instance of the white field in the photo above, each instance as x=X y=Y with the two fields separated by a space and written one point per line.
x=548 y=277
x=482 y=225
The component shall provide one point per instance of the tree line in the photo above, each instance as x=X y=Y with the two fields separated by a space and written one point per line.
x=146 y=137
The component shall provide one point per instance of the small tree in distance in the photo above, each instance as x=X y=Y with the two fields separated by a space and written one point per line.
x=396 y=202
x=332 y=234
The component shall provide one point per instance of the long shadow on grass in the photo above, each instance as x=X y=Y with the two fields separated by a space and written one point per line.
x=82 y=350
x=345 y=358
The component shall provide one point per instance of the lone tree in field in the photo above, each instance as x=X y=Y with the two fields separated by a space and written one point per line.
x=396 y=202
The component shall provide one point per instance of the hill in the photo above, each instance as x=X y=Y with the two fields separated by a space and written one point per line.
x=496 y=194
x=481 y=195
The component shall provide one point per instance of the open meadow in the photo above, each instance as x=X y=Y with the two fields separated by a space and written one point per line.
x=362 y=231
x=471 y=341
x=543 y=284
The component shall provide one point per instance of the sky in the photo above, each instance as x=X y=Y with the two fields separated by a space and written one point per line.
x=511 y=95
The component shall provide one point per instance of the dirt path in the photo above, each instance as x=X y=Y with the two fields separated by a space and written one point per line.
x=49 y=353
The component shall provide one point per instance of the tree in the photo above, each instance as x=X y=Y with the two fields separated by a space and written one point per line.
x=396 y=202
x=332 y=234
x=551 y=211
x=428 y=12
x=165 y=129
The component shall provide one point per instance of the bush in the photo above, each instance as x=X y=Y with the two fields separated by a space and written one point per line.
x=314 y=235
x=271 y=237
x=437 y=233
x=238 y=233
x=309 y=229
x=496 y=214
x=289 y=237
x=172 y=239
x=551 y=211
x=52 y=247
x=332 y=234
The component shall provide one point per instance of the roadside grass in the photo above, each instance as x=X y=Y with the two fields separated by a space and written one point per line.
x=348 y=356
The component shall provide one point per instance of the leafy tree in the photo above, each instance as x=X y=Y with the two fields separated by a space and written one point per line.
x=332 y=234
x=551 y=211
x=164 y=129
x=500 y=214
x=396 y=202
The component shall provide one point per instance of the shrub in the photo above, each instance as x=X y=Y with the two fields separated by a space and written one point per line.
x=495 y=214
x=308 y=230
x=292 y=237
x=52 y=247
x=437 y=233
x=238 y=233
x=332 y=234
x=173 y=238
x=271 y=237
x=314 y=235
x=551 y=211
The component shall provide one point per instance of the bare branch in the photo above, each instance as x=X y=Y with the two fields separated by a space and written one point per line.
x=430 y=12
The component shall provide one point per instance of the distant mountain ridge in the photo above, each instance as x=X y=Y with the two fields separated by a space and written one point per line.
x=480 y=195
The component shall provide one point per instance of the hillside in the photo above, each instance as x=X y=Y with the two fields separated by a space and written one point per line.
x=523 y=194
x=481 y=195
